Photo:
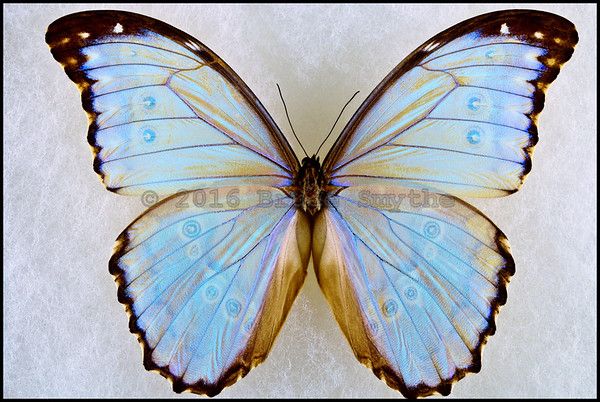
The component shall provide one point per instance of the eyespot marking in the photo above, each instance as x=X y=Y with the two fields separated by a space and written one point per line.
x=410 y=293
x=233 y=307
x=474 y=103
x=149 y=102
x=149 y=135
x=390 y=308
x=474 y=137
x=431 y=230
x=249 y=324
x=211 y=292
x=191 y=229
x=374 y=326
x=193 y=251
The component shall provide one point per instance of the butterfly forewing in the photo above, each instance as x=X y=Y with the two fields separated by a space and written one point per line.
x=459 y=114
x=166 y=113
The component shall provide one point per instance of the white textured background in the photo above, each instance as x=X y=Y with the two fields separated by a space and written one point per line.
x=65 y=334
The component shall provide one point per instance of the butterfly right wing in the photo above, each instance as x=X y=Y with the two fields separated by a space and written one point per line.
x=208 y=285
x=459 y=114
x=414 y=286
x=416 y=290
x=166 y=113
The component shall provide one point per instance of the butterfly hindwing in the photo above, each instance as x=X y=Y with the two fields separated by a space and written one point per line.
x=414 y=286
x=166 y=113
x=459 y=114
x=207 y=287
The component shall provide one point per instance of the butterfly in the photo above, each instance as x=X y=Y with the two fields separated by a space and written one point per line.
x=414 y=274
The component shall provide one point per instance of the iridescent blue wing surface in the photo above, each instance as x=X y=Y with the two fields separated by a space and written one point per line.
x=415 y=286
x=459 y=113
x=208 y=286
x=166 y=113
x=209 y=274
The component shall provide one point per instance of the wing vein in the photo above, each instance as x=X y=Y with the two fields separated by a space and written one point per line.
x=439 y=101
x=472 y=86
x=189 y=217
x=417 y=282
x=222 y=131
x=484 y=45
x=139 y=44
x=426 y=238
x=229 y=287
x=454 y=150
x=412 y=320
x=495 y=65
x=418 y=255
x=416 y=179
x=169 y=150
x=128 y=64
x=144 y=120
x=199 y=178
x=364 y=275
x=125 y=89
x=254 y=286
x=477 y=121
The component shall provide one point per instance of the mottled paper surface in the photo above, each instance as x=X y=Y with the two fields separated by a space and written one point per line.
x=65 y=334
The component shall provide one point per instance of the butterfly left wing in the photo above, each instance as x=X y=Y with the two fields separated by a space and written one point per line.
x=208 y=286
x=166 y=113
x=414 y=286
x=459 y=114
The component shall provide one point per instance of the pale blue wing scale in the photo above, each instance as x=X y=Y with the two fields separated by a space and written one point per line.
x=208 y=288
x=166 y=114
x=426 y=282
x=459 y=115
x=205 y=92
x=163 y=98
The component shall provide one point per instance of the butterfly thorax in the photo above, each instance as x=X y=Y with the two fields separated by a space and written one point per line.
x=309 y=186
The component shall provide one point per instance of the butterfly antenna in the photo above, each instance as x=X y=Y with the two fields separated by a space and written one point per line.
x=289 y=121
x=336 y=120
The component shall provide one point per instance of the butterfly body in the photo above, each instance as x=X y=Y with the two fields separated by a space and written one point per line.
x=414 y=288
x=310 y=186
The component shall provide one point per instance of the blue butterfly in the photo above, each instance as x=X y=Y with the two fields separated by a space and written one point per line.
x=414 y=274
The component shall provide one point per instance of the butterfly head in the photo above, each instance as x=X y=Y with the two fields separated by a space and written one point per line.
x=309 y=186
